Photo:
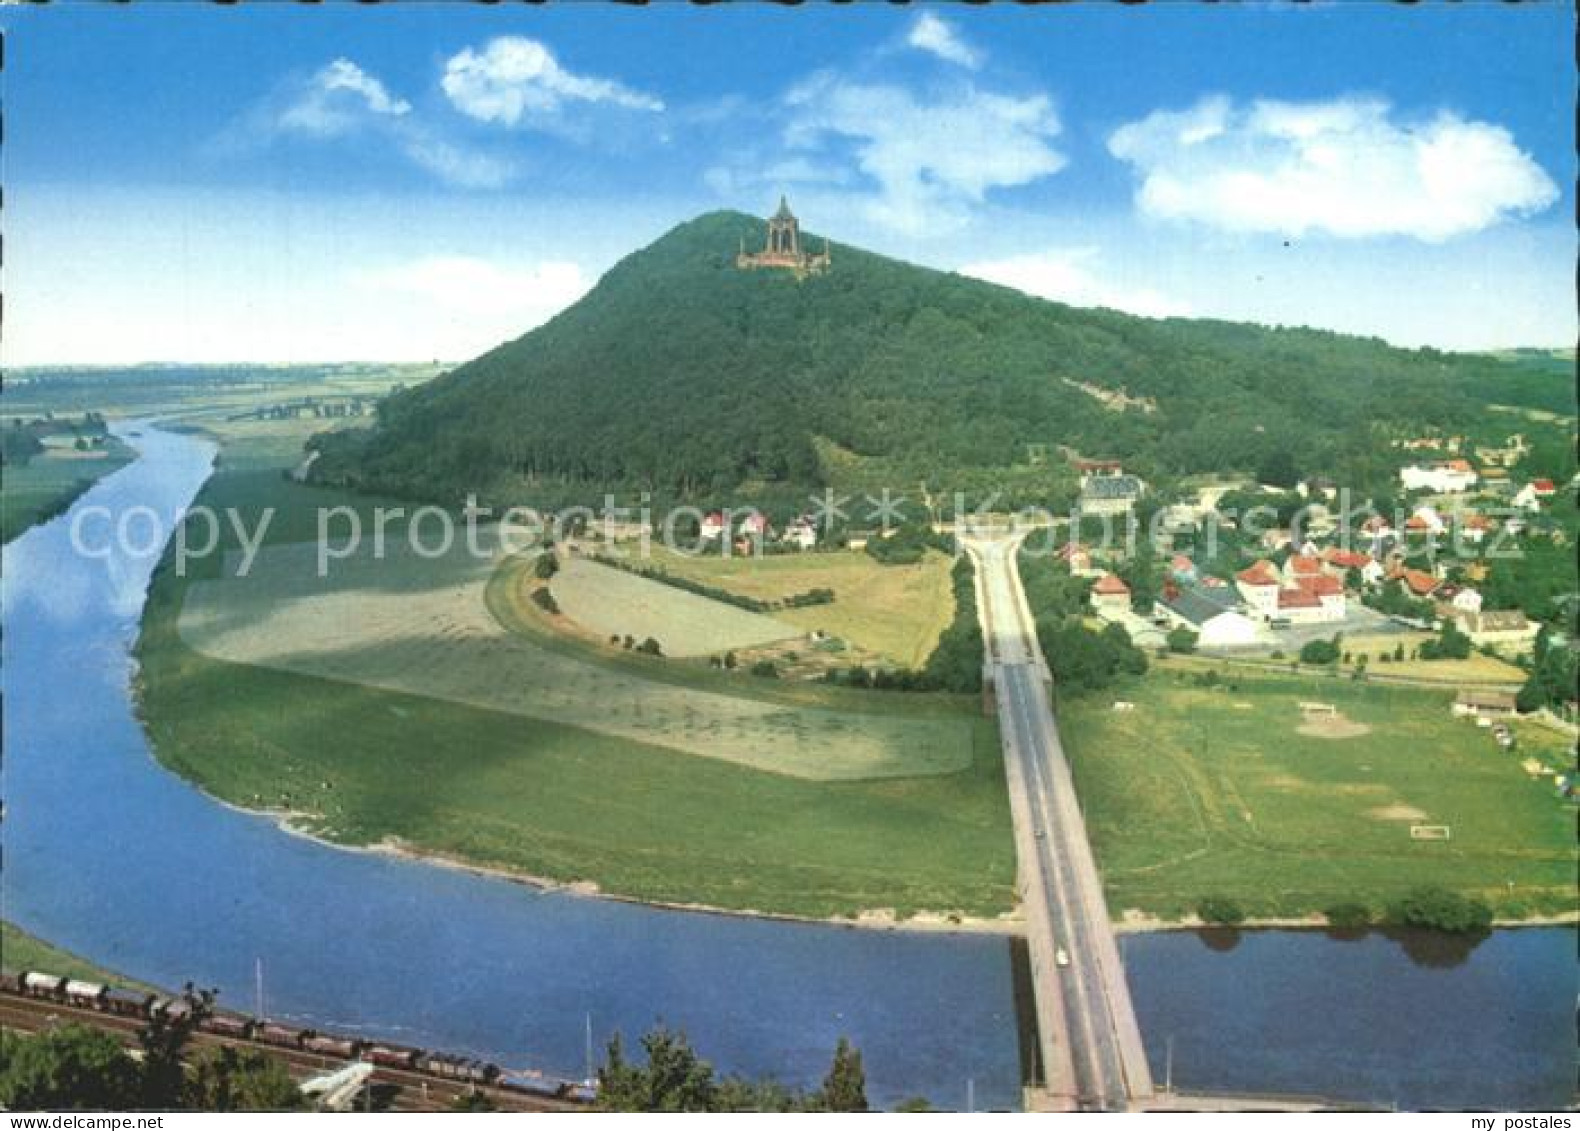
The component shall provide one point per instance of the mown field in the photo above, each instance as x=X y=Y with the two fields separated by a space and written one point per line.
x=1219 y=791
x=48 y=484
x=609 y=602
x=895 y=611
x=361 y=764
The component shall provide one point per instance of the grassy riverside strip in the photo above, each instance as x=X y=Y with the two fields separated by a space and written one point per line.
x=46 y=486
x=22 y=951
x=366 y=767
x=1225 y=789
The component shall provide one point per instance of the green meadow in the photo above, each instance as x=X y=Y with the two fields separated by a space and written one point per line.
x=1227 y=790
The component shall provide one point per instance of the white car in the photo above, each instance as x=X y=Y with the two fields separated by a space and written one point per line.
x=1061 y=957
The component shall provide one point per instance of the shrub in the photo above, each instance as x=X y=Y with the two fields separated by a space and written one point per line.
x=1220 y=911
x=650 y=647
x=546 y=566
x=1348 y=915
x=1438 y=909
x=1181 y=639
x=767 y=669
x=544 y=600
x=1319 y=652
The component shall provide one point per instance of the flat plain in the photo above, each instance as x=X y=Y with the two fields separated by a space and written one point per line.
x=1233 y=790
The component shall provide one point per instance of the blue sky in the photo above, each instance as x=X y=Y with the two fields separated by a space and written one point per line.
x=408 y=182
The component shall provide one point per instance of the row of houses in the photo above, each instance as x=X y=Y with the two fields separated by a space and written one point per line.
x=1456 y=476
x=800 y=532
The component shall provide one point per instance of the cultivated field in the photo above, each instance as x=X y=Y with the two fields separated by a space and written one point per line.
x=895 y=611
x=1235 y=790
x=611 y=602
x=365 y=765
x=422 y=626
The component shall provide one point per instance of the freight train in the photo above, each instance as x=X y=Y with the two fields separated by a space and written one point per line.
x=127 y=1003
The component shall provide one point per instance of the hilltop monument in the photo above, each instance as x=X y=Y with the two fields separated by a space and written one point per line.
x=784 y=247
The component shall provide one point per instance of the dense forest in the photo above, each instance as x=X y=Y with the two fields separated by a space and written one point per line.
x=681 y=375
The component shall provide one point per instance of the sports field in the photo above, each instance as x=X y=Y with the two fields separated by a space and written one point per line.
x=364 y=764
x=896 y=611
x=1235 y=790
x=611 y=602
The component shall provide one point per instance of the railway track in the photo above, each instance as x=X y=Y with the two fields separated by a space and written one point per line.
x=395 y=1089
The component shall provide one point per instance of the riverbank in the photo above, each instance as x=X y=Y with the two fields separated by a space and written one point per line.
x=20 y=950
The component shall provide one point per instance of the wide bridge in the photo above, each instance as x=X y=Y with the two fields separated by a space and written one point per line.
x=1089 y=1044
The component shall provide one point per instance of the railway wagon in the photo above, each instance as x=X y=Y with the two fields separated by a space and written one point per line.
x=458 y=1068
x=227 y=1026
x=394 y=1056
x=343 y=1047
x=10 y=983
x=282 y=1036
x=127 y=1003
x=88 y=994
x=35 y=983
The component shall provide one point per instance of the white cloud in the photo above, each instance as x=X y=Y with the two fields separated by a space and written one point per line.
x=1347 y=167
x=514 y=78
x=1070 y=275
x=928 y=162
x=454 y=164
x=935 y=36
x=336 y=100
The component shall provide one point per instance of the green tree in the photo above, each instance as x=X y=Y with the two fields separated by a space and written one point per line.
x=1181 y=639
x=163 y=1040
x=1220 y=910
x=673 y=1079
x=234 y=1079
x=546 y=565
x=72 y=1068
x=845 y=1086
x=1438 y=909
x=1320 y=651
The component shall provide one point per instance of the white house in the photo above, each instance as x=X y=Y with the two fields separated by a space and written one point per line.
x=1110 y=596
x=1530 y=496
x=1258 y=585
x=801 y=533
x=1444 y=477
x=755 y=525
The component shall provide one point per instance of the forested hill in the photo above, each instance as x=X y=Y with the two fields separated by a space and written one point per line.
x=682 y=374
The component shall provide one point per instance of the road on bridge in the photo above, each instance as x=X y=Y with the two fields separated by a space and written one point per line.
x=1089 y=1042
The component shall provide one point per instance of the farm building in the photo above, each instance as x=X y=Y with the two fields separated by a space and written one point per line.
x=1210 y=613
x=1484 y=704
x=1501 y=628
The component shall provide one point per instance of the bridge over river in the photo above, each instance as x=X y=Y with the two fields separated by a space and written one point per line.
x=1089 y=1044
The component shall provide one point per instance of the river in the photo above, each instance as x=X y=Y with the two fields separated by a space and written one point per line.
x=109 y=855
